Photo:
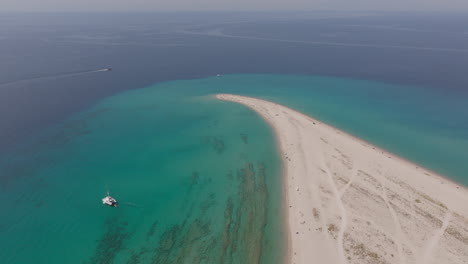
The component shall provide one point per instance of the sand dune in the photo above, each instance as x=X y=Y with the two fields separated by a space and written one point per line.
x=347 y=201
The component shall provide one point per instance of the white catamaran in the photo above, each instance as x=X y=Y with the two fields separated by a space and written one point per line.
x=109 y=201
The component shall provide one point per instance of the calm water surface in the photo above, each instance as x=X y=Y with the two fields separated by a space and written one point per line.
x=198 y=180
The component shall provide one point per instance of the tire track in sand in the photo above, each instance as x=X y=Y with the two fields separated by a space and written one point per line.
x=399 y=234
x=354 y=174
x=339 y=203
x=428 y=252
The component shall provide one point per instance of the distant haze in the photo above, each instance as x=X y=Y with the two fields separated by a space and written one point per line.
x=232 y=5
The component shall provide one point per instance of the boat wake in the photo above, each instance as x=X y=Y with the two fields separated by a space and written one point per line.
x=132 y=205
x=55 y=76
x=219 y=33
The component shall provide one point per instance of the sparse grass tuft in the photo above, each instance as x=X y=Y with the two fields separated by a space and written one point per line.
x=332 y=228
x=316 y=213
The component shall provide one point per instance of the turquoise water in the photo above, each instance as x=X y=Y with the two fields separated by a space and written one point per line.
x=194 y=186
x=198 y=180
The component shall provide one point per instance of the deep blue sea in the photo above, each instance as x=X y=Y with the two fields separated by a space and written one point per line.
x=199 y=180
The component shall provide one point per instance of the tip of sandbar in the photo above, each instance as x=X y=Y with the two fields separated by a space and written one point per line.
x=223 y=96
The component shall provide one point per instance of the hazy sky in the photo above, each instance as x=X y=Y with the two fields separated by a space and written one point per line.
x=190 y=5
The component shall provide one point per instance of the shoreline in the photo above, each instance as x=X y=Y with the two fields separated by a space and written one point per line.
x=343 y=239
x=381 y=150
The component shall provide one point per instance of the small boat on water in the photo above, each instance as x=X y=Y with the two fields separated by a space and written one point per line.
x=109 y=201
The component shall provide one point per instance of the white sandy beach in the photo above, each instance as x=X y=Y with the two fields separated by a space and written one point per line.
x=347 y=201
